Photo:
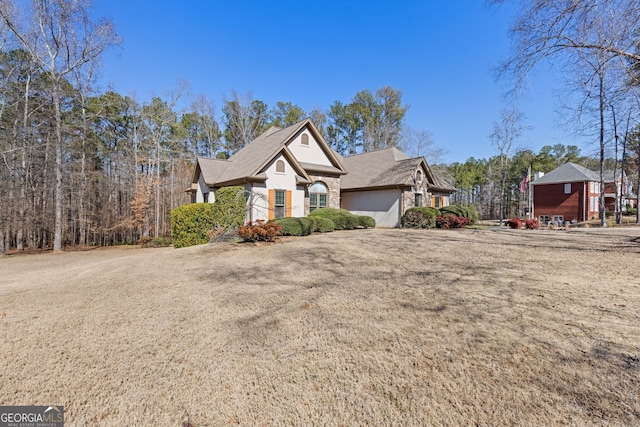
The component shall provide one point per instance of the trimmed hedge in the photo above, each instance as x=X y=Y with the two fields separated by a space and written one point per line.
x=365 y=221
x=295 y=226
x=422 y=217
x=322 y=225
x=193 y=224
x=343 y=219
x=230 y=207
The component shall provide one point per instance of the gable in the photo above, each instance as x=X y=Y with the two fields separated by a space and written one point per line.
x=311 y=152
x=283 y=167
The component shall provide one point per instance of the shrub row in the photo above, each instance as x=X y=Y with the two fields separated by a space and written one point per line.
x=304 y=226
x=343 y=219
x=453 y=216
x=192 y=224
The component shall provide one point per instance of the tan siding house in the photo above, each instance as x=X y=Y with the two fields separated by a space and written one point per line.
x=292 y=171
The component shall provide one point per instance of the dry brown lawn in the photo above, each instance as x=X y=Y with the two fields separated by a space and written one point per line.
x=368 y=327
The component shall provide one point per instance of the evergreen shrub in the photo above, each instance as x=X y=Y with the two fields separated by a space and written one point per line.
x=295 y=226
x=193 y=224
x=343 y=219
x=421 y=217
x=322 y=225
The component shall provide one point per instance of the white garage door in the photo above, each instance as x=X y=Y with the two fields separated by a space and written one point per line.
x=382 y=205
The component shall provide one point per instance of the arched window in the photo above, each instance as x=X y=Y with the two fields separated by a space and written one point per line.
x=280 y=166
x=305 y=139
x=418 y=177
x=318 y=195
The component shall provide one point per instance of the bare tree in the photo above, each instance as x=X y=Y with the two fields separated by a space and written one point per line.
x=561 y=29
x=504 y=134
x=417 y=143
x=245 y=118
x=60 y=36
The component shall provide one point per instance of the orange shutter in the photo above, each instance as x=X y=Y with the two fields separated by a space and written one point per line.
x=272 y=203
x=288 y=204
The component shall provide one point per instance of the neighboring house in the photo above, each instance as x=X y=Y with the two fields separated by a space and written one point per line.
x=290 y=172
x=615 y=187
x=569 y=193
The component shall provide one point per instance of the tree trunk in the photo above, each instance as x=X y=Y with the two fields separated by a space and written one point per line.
x=57 y=237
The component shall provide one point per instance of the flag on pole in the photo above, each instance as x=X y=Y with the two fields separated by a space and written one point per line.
x=525 y=181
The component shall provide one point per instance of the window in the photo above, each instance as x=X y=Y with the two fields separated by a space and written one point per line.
x=417 y=200
x=193 y=197
x=544 y=219
x=435 y=201
x=558 y=220
x=317 y=196
x=418 y=177
x=279 y=205
x=205 y=197
x=280 y=166
x=567 y=188
x=304 y=139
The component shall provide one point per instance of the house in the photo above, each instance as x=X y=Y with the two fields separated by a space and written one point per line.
x=384 y=184
x=290 y=172
x=618 y=187
x=285 y=172
x=569 y=193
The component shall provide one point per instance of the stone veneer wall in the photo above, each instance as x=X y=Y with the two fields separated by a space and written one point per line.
x=333 y=186
x=408 y=198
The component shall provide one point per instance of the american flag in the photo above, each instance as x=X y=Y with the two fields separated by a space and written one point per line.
x=525 y=181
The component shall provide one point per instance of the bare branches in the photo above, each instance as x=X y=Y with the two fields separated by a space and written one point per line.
x=563 y=29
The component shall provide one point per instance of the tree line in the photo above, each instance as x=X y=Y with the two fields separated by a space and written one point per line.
x=80 y=167
x=488 y=185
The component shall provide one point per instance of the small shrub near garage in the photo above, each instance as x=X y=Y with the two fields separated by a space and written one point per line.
x=423 y=217
x=365 y=221
x=343 y=219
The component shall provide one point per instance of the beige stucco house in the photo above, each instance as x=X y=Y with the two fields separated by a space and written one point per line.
x=290 y=172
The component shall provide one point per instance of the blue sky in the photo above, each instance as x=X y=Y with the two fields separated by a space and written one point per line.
x=311 y=53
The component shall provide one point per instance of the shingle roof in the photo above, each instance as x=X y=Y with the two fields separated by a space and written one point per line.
x=384 y=168
x=249 y=161
x=569 y=172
